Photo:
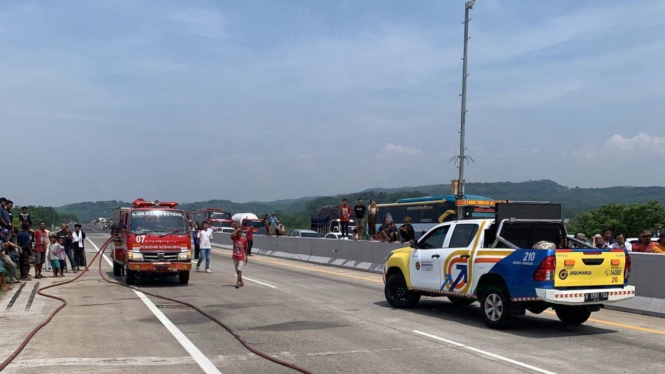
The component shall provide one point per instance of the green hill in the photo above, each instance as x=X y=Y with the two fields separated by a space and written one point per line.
x=574 y=200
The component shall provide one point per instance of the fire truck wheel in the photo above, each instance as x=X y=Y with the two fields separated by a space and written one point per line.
x=130 y=277
x=117 y=269
x=184 y=277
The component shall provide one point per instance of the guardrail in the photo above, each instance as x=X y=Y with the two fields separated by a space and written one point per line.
x=647 y=274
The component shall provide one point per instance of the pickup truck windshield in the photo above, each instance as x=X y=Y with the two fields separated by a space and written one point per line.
x=157 y=221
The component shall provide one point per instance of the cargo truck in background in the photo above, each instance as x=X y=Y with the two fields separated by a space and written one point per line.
x=151 y=238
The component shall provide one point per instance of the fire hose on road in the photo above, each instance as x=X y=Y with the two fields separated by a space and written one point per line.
x=100 y=253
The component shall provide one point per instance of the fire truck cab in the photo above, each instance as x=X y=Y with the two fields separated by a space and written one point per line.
x=151 y=238
x=217 y=218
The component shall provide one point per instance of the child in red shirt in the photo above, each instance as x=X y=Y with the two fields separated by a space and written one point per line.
x=239 y=254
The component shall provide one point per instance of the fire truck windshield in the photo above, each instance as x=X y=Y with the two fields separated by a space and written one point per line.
x=157 y=221
x=220 y=224
x=220 y=215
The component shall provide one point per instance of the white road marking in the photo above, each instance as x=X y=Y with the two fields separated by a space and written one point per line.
x=438 y=338
x=485 y=353
x=255 y=281
x=205 y=364
x=108 y=260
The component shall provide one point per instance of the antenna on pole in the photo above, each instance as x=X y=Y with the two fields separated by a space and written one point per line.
x=458 y=185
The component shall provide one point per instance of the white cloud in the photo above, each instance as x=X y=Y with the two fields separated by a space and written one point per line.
x=625 y=148
x=393 y=149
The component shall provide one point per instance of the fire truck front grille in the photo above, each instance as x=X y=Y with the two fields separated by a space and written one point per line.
x=161 y=256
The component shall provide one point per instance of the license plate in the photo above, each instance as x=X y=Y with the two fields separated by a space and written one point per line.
x=596 y=296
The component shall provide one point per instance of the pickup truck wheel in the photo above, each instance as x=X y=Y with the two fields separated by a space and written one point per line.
x=461 y=301
x=130 y=277
x=398 y=294
x=495 y=306
x=117 y=269
x=573 y=315
x=183 y=276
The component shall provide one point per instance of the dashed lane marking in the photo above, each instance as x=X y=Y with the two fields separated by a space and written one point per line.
x=629 y=327
x=307 y=268
x=261 y=283
x=485 y=353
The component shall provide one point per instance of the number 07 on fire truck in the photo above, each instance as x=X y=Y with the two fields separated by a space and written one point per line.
x=151 y=238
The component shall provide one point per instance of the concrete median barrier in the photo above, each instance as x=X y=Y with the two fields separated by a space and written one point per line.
x=647 y=274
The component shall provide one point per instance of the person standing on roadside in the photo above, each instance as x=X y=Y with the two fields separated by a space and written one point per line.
x=620 y=242
x=659 y=231
x=645 y=244
x=4 y=214
x=24 y=216
x=660 y=247
x=78 y=244
x=361 y=218
x=41 y=242
x=273 y=224
x=56 y=255
x=24 y=240
x=9 y=249
x=371 y=222
x=344 y=218
x=266 y=224
x=205 y=236
x=195 y=238
x=65 y=239
x=249 y=236
x=607 y=237
x=239 y=255
x=10 y=206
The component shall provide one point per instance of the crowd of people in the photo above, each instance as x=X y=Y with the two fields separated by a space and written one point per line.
x=24 y=248
x=272 y=225
x=366 y=217
x=645 y=241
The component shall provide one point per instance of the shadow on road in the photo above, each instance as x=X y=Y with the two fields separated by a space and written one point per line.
x=529 y=326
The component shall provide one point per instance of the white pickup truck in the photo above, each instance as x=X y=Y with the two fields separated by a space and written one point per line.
x=521 y=260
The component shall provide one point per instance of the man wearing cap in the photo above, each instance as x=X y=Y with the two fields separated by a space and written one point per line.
x=78 y=244
x=645 y=244
x=660 y=247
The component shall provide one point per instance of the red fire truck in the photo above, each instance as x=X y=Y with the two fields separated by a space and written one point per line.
x=217 y=218
x=151 y=238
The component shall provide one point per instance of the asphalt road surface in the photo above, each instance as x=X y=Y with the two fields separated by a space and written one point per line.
x=328 y=320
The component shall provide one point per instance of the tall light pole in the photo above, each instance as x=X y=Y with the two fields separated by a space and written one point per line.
x=462 y=148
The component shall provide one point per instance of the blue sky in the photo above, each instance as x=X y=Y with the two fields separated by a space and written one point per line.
x=263 y=100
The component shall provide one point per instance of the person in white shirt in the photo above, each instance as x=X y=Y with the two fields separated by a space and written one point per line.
x=204 y=236
x=620 y=243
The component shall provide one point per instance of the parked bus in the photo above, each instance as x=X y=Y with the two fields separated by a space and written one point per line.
x=427 y=212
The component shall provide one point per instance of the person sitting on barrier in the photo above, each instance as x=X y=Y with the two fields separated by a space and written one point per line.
x=406 y=230
x=660 y=247
x=382 y=235
x=645 y=244
x=391 y=234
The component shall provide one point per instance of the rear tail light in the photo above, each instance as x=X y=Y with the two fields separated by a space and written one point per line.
x=626 y=270
x=545 y=271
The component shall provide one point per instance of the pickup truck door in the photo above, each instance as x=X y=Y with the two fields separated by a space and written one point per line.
x=457 y=256
x=425 y=263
